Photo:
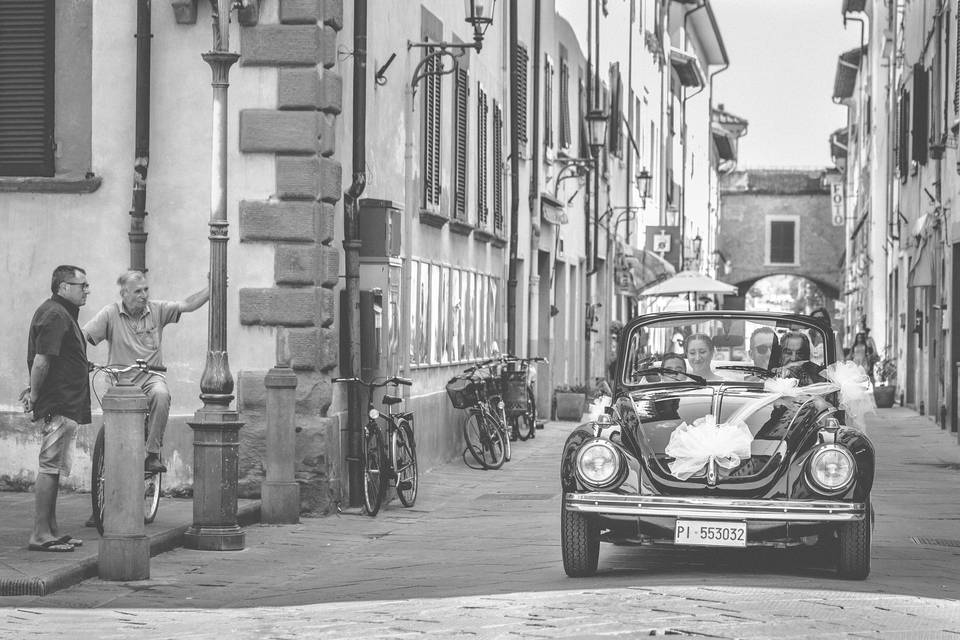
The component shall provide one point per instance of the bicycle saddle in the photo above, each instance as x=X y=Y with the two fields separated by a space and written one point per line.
x=389 y=400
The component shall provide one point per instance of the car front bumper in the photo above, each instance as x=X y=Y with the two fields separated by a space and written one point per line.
x=615 y=504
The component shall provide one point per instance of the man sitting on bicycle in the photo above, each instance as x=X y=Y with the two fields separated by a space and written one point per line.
x=133 y=327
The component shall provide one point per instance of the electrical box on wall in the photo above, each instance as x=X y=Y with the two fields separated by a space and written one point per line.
x=379 y=222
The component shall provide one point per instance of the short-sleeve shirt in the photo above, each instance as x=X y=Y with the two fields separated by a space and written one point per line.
x=54 y=332
x=131 y=338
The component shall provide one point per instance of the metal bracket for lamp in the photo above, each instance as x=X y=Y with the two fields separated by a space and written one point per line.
x=439 y=49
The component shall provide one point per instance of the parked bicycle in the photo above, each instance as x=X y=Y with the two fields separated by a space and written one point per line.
x=518 y=396
x=152 y=481
x=484 y=427
x=388 y=456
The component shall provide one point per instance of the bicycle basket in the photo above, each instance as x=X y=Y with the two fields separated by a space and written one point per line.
x=462 y=393
x=515 y=392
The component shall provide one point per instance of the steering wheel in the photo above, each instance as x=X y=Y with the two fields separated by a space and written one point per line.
x=758 y=371
x=639 y=373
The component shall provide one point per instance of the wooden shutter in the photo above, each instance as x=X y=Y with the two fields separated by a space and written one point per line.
x=26 y=87
x=519 y=85
x=782 y=241
x=547 y=101
x=921 y=112
x=497 y=169
x=482 y=110
x=461 y=92
x=903 y=135
x=431 y=135
x=565 y=137
x=956 y=70
x=615 y=124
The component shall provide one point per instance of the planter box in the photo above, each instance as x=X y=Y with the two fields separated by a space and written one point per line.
x=570 y=405
x=884 y=396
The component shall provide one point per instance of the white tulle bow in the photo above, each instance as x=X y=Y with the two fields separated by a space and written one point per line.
x=693 y=446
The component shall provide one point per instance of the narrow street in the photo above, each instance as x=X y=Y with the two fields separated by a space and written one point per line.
x=479 y=556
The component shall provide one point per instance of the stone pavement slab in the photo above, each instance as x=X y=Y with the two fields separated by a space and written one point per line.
x=25 y=572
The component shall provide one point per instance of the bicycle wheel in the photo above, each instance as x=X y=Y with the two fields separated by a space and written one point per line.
x=372 y=457
x=406 y=464
x=474 y=434
x=530 y=416
x=501 y=420
x=97 y=482
x=151 y=495
x=485 y=439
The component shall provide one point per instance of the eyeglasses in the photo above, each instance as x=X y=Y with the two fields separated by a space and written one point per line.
x=86 y=287
x=762 y=348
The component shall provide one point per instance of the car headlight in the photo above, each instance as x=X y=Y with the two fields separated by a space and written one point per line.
x=598 y=463
x=374 y=414
x=832 y=468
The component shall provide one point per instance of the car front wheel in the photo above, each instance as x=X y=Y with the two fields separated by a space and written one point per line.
x=580 y=541
x=853 y=538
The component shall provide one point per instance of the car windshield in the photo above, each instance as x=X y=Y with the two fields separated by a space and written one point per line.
x=717 y=347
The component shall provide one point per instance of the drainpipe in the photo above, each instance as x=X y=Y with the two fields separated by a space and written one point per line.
x=514 y=187
x=588 y=206
x=351 y=242
x=138 y=212
x=533 y=198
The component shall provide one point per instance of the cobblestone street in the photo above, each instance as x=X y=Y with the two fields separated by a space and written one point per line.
x=479 y=556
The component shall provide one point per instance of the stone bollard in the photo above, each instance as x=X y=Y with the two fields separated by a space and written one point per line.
x=125 y=549
x=280 y=493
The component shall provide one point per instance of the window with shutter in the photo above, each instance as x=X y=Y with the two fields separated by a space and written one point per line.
x=921 y=113
x=26 y=87
x=518 y=83
x=431 y=136
x=497 y=169
x=565 y=137
x=482 y=110
x=782 y=234
x=461 y=92
x=903 y=137
x=615 y=124
x=547 y=101
x=956 y=70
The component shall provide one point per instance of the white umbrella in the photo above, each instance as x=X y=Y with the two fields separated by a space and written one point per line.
x=689 y=282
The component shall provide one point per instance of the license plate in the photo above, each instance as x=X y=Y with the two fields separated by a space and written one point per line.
x=711 y=533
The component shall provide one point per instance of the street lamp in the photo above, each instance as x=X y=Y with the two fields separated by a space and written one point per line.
x=479 y=16
x=643 y=186
x=216 y=427
x=596 y=130
x=697 y=244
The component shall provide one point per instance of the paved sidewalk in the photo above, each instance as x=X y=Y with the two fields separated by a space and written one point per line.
x=25 y=572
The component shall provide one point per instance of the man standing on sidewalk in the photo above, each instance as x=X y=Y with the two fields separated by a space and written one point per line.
x=58 y=395
x=134 y=328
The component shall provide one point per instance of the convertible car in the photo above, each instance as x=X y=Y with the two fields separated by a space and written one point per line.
x=724 y=430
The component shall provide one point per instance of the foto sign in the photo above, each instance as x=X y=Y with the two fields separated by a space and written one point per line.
x=836 y=203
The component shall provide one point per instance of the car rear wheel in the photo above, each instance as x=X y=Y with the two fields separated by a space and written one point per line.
x=853 y=541
x=580 y=541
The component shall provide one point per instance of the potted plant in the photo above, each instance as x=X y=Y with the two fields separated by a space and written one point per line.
x=885 y=392
x=569 y=400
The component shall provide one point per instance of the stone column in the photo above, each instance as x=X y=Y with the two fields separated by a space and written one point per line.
x=280 y=493
x=124 y=552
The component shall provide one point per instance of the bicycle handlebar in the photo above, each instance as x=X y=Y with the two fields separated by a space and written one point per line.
x=375 y=385
x=115 y=371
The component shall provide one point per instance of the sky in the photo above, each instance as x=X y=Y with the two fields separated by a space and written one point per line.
x=783 y=59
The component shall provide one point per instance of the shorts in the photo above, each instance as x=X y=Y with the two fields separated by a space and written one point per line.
x=56 y=445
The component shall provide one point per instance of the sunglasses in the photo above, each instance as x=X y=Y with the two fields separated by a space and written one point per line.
x=762 y=349
x=84 y=285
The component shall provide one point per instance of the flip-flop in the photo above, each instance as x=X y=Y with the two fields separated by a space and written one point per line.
x=70 y=540
x=54 y=546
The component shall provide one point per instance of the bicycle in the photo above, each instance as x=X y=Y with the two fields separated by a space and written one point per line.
x=521 y=405
x=152 y=481
x=484 y=434
x=394 y=462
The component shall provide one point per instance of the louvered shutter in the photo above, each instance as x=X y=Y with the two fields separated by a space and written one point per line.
x=461 y=137
x=482 y=110
x=565 y=137
x=921 y=112
x=614 y=126
x=903 y=137
x=497 y=168
x=431 y=136
x=547 y=101
x=519 y=85
x=956 y=70
x=26 y=87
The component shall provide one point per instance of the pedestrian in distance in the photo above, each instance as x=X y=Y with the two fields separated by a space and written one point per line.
x=58 y=395
x=133 y=327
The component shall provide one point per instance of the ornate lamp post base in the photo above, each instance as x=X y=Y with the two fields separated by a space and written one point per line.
x=216 y=444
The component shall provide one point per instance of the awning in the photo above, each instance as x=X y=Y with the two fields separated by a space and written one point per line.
x=552 y=210
x=921 y=269
x=688 y=68
x=848 y=66
x=636 y=269
x=724 y=146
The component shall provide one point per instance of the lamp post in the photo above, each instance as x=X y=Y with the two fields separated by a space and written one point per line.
x=479 y=16
x=216 y=427
x=643 y=186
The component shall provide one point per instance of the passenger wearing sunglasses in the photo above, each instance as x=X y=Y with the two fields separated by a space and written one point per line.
x=764 y=348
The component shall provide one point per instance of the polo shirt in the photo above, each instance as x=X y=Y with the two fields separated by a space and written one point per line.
x=54 y=332
x=131 y=338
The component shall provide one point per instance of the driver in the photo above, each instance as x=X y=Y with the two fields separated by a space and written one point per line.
x=764 y=348
x=674 y=362
x=795 y=352
x=698 y=348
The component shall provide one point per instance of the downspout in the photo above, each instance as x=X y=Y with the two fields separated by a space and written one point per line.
x=533 y=198
x=710 y=75
x=351 y=242
x=628 y=187
x=588 y=203
x=683 y=159
x=138 y=212
x=514 y=186
x=596 y=173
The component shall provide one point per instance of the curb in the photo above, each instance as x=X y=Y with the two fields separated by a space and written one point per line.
x=85 y=568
